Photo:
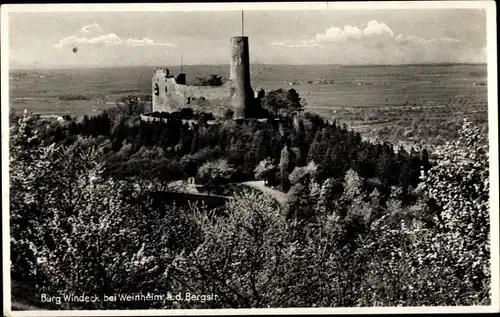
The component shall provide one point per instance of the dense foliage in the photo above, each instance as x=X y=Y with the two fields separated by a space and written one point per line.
x=186 y=146
x=212 y=80
x=282 y=102
x=364 y=225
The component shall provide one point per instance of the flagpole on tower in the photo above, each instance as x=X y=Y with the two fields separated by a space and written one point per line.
x=242 y=24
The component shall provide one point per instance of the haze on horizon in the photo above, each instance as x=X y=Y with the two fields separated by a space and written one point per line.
x=345 y=37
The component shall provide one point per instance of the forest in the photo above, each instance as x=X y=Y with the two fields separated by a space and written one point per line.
x=365 y=224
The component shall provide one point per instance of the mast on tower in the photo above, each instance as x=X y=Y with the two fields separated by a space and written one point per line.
x=181 y=78
x=242 y=24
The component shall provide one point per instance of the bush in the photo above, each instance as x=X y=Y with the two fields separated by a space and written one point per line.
x=214 y=174
x=212 y=80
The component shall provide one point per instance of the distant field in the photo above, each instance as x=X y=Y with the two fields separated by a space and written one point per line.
x=368 y=98
x=40 y=91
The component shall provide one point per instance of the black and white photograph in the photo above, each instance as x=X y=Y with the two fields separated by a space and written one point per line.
x=271 y=157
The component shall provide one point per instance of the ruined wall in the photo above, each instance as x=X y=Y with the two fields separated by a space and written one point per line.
x=208 y=92
x=168 y=96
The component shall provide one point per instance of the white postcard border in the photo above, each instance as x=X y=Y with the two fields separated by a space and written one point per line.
x=489 y=6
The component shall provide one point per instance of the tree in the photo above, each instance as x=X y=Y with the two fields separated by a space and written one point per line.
x=81 y=214
x=414 y=260
x=282 y=102
x=255 y=258
x=265 y=170
x=294 y=101
x=352 y=185
x=130 y=106
x=284 y=167
x=212 y=80
x=424 y=159
x=240 y=257
x=459 y=184
x=304 y=174
x=304 y=193
x=329 y=192
x=214 y=174
x=299 y=141
x=258 y=149
x=74 y=231
x=275 y=101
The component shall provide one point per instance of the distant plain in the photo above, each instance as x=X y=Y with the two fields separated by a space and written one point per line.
x=364 y=97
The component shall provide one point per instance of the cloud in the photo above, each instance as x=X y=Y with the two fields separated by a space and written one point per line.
x=91 y=28
x=303 y=44
x=349 y=32
x=146 y=42
x=375 y=28
x=375 y=35
x=407 y=39
x=446 y=40
x=415 y=40
x=373 y=43
x=105 y=39
x=335 y=34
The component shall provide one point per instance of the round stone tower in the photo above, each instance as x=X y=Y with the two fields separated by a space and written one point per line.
x=240 y=90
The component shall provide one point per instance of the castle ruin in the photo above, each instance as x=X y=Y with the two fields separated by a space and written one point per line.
x=172 y=94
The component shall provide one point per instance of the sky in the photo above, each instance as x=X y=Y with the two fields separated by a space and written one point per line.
x=353 y=37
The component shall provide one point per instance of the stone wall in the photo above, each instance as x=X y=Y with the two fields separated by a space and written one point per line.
x=172 y=96
x=207 y=92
